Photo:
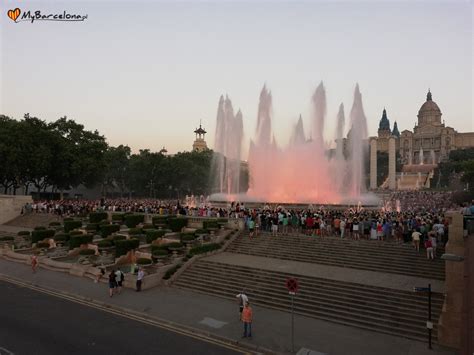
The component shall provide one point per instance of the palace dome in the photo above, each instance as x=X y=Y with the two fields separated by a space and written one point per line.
x=429 y=112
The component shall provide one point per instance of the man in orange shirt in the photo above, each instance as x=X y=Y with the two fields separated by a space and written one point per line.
x=247 y=320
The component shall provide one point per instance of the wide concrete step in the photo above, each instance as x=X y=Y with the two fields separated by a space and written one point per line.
x=312 y=286
x=379 y=309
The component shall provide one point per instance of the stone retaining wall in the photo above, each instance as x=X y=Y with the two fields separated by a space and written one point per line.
x=10 y=206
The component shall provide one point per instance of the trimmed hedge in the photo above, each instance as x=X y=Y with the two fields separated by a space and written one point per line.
x=67 y=219
x=153 y=234
x=40 y=228
x=148 y=226
x=78 y=240
x=210 y=225
x=92 y=227
x=132 y=220
x=104 y=244
x=6 y=238
x=123 y=246
x=96 y=217
x=24 y=233
x=38 y=235
x=87 y=252
x=108 y=229
x=118 y=237
x=54 y=224
x=171 y=271
x=71 y=225
x=160 y=219
x=159 y=252
x=72 y=233
x=201 y=231
x=61 y=237
x=177 y=224
x=187 y=237
x=118 y=217
x=204 y=248
x=174 y=245
x=144 y=261
x=135 y=231
x=154 y=248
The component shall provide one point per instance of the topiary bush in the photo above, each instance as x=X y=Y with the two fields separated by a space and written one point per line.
x=144 y=261
x=71 y=233
x=160 y=252
x=6 y=238
x=123 y=246
x=134 y=231
x=108 y=229
x=40 y=228
x=78 y=240
x=187 y=237
x=132 y=220
x=148 y=226
x=104 y=243
x=210 y=225
x=24 y=233
x=41 y=234
x=61 y=237
x=118 y=217
x=92 y=227
x=201 y=231
x=96 y=217
x=204 y=248
x=153 y=234
x=177 y=223
x=71 y=225
x=118 y=237
x=54 y=224
x=67 y=219
x=87 y=252
x=176 y=245
x=159 y=220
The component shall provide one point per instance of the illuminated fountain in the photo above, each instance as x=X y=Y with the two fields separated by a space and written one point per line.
x=305 y=171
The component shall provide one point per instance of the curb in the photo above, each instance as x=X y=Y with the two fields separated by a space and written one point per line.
x=163 y=323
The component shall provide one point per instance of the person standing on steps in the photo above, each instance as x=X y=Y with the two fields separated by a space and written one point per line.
x=247 y=316
x=242 y=299
x=34 y=263
x=119 y=278
x=140 y=276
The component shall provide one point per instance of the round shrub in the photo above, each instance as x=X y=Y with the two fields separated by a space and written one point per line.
x=87 y=252
x=104 y=244
x=61 y=237
x=108 y=229
x=42 y=245
x=143 y=261
x=123 y=246
x=40 y=228
x=24 y=233
x=170 y=246
x=41 y=234
x=54 y=224
x=71 y=225
x=135 y=231
x=153 y=234
x=132 y=220
x=96 y=217
x=177 y=223
x=78 y=240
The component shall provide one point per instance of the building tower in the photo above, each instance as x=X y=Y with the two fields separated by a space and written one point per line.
x=384 y=126
x=199 y=144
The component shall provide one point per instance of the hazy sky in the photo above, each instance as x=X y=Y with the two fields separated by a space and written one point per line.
x=145 y=73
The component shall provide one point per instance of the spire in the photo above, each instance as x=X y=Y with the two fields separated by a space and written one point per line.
x=384 y=123
x=428 y=96
x=395 y=131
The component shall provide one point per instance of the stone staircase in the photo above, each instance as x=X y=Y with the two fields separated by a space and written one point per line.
x=389 y=311
x=372 y=255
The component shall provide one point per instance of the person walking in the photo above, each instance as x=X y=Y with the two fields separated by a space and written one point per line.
x=112 y=283
x=416 y=239
x=247 y=316
x=242 y=299
x=140 y=276
x=34 y=263
x=119 y=278
x=429 y=249
x=342 y=226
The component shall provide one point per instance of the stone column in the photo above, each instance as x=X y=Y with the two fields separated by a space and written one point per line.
x=391 y=164
x=373 y=164
x=450 y=321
